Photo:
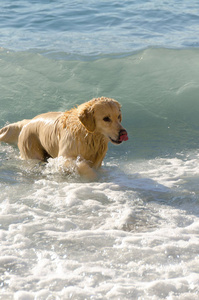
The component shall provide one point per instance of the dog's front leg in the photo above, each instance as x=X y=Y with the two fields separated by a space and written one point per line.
x=85 y=170
x=81 y=167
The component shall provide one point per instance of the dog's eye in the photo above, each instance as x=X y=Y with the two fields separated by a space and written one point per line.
x=119 y=118
x=107 y=119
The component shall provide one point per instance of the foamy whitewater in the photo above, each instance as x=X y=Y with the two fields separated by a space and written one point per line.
x=134 y=232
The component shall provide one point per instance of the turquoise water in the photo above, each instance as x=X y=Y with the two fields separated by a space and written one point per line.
x=133 y=233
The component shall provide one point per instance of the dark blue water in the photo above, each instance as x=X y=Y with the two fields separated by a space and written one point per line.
x=98 y=27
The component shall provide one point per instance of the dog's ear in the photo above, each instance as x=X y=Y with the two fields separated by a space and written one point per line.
x=86 y=116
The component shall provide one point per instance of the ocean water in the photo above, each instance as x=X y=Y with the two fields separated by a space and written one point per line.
x=134 y=232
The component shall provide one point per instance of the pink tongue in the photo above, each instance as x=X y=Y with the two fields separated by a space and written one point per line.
x=123 y=137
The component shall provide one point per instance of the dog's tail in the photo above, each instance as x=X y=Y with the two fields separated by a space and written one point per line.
x=10 y=133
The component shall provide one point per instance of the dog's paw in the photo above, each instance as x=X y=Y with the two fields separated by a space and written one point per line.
x=85 y=171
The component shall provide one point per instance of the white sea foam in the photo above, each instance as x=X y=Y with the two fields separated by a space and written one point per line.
x=129 y=237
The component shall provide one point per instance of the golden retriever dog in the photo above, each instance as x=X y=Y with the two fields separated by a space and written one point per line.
x=80 y=135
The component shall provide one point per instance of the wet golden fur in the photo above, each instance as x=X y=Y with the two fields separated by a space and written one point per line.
x=80 y=135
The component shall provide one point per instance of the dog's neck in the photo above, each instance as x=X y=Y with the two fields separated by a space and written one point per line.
x=98 y=146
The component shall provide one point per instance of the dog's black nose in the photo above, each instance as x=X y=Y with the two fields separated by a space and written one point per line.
x=123 y=135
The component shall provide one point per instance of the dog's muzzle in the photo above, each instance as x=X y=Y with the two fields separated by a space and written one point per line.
x=123 y=136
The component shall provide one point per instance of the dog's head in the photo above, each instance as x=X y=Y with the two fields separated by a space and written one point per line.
x=103 y=115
